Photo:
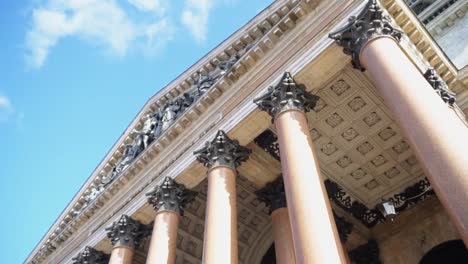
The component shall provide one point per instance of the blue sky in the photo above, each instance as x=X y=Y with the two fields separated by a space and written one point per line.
x=73 y=74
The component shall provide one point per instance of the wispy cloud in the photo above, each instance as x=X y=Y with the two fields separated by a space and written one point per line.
x=103 y=23
x=195 y=17
x=6 y=108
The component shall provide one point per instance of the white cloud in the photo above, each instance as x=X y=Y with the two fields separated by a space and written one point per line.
x=158 y=6
x=6 y=108
x=195 y=17
x=100 y=22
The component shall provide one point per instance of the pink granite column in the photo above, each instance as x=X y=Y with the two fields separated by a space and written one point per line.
x=420 y=105
x=221 y=156
x=314 y=232
x=274 y=196
x=169 y=200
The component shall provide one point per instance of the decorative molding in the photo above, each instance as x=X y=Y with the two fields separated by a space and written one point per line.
x=170 y=196
x=286 y=95
x=369 y=217
x=273 y=194
x=369 y=24
x=91 y=256
x=222 y=151
x=439 y=86
x=264 y=31
x=366 y=254
x=418 y=192
x=344 y=227
x=127 y=232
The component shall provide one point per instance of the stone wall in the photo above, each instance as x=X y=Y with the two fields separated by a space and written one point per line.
x=414 y=233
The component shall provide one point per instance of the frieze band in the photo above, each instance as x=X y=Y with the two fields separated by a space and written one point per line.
x=369 y=24
x=170 y=196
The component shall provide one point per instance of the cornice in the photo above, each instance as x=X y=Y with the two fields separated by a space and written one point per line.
x=264 y=31
x=226 y=115
x=423 y=42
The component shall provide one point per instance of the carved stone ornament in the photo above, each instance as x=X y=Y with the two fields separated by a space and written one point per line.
x=170 y=196
x=369 y=24
x=127 y=232
x=286 y=95
x=273 y=194
x=222 y=151
x=366 y=254
x=439 y=86
x=91 y=256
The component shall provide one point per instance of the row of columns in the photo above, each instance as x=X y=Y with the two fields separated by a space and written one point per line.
x=304 y=230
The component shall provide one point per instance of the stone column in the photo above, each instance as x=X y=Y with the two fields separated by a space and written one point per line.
x=221 y=156
x=126 y=235
x=420 y=104
x=314 y=232
x=169 y=200
x=91 y=255
x=273 y=196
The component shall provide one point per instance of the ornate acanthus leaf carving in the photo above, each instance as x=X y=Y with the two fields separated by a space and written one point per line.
x=273 y=194
x=170 y=196
x=286 y=95
x=222 y=151
x=344 y=227
x=440 y=86
x=367 y=253
x=127 y=232
x=91 y=256
x=369 y=24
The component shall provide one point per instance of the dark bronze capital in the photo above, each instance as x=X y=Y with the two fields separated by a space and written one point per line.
x=170 y=196
x=273 y=194
x=369 y=24
x=127 y=232
x=222 y=151
x=286 y=95
x=91 y=256
x=439 y=86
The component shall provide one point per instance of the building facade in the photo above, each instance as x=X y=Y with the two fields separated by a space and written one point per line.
x=320 y=132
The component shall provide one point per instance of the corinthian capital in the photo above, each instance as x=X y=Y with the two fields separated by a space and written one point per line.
x=91 y=256
x=222 y=151
x=286 y=95
x=440 y=86
x=369 y=24
x=170 y=196
x=127 y=232
x=273 y=194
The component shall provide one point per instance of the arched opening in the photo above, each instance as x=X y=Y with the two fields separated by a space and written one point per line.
x=453 y=251
x=269 y=257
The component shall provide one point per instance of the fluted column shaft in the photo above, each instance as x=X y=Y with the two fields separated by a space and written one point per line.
x=437 y=136
x=282 y=234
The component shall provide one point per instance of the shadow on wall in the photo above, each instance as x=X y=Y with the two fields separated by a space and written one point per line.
x=453 y=252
